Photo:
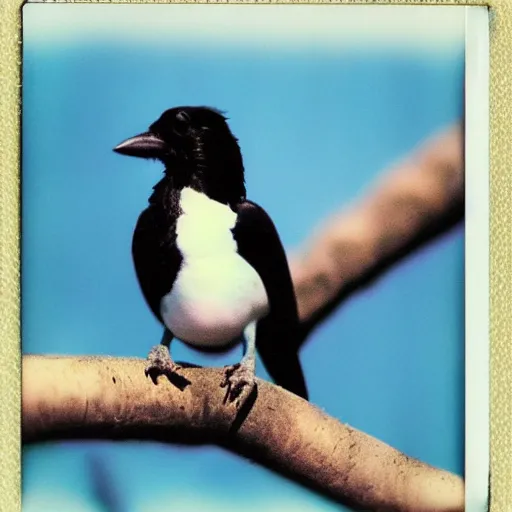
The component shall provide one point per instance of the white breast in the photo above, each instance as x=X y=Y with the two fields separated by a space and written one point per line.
x=216 y=293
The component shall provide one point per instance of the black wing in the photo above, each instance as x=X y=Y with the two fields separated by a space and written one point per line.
x=155 y=256
x=277 y=335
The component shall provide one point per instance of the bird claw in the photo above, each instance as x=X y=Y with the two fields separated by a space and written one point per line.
x=160 y=363
x=239 y=381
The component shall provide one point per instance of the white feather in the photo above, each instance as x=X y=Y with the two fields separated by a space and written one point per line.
x=216 y=293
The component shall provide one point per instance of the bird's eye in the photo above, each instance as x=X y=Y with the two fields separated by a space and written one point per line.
x=182 y=123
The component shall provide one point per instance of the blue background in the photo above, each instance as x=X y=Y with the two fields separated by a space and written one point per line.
x=316 y=128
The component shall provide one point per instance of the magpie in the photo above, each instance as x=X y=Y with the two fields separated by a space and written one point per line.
x=209 y=262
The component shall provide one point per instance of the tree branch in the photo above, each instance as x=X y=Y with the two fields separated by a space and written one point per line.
x=416 y=200
x=92 y=397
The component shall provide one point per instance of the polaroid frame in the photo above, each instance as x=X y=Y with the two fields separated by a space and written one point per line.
x=500 y=325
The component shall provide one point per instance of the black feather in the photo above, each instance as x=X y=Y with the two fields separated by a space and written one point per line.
x=278 y=333
x=199 y=151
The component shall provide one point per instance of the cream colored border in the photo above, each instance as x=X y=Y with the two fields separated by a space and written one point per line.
x=477 y=258
x=500 y=262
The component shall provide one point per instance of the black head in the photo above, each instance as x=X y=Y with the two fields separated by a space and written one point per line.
x=198 y=150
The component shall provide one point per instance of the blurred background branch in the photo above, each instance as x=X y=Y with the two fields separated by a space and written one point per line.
x=70 y=397
x=415 y=201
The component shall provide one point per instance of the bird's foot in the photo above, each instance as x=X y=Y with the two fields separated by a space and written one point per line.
x=239 y=381
x=161 y=363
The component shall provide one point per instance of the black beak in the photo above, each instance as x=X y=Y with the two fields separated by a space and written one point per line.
x=145 y=145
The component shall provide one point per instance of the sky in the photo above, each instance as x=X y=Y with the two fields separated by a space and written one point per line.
x=323 y=100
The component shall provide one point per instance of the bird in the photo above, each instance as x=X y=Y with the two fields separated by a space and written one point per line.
x=209 y=262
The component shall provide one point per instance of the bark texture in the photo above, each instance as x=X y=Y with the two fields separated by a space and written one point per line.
x=94 y=397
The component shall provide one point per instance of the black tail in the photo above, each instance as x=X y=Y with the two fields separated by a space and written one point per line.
x=278 y=351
